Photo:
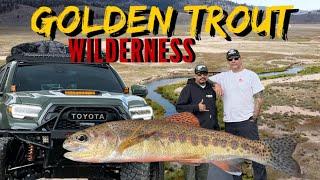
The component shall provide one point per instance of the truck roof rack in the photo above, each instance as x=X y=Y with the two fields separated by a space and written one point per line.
x=42 y=52
x=48 y=59
x=39 y=58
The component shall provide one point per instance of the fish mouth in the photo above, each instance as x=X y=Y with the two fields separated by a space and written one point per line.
x=73 y=157
x=82 y=157
x=76 y=153
x=73 y=148
x=68 y=155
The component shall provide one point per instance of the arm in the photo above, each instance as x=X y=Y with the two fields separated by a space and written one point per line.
x=258 y=101
x=257 y=89
x=215 y=85
x=183 y=103
x=218 y=89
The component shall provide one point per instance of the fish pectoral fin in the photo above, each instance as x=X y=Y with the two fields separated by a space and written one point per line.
x=132 y=140
x=230 y=166
x=184 y=118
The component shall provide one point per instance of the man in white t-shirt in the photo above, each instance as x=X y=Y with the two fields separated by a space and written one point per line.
x=242 y=101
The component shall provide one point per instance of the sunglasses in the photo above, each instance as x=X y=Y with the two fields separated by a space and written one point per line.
x=200 y=74
x=230 y=59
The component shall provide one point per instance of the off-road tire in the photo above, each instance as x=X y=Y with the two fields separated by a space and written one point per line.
x=4 y=141
x=142 y=171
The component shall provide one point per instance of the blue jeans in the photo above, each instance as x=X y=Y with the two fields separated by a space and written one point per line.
x=249 y=130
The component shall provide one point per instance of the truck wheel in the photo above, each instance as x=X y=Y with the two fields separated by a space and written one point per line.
x=142 y=171
x=4 y=142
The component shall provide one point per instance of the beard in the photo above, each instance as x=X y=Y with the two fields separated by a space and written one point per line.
x=202 y=81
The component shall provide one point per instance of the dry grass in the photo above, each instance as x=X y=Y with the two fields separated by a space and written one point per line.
x=301 y=94
x=258 y=62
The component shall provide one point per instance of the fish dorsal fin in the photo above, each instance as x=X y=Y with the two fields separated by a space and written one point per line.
x=230 y=166
x=184 y=118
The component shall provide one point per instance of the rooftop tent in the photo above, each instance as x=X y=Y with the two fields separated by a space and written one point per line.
x=41 y=49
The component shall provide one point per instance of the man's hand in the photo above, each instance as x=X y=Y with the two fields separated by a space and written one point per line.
x=202 y=107
x=218 y=89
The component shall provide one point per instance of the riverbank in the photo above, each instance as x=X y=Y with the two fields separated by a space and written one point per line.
x=297 y=78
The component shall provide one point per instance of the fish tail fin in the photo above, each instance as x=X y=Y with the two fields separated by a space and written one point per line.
x=281 y=155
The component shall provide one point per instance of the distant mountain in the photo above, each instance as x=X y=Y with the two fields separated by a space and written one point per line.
x=19 y=12
x=163 y=4
x=8 y=5
x=306 y=17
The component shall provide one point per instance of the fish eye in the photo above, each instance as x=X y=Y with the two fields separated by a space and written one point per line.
x=82 y=138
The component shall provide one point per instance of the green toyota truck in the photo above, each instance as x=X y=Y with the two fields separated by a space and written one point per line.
x=44 y=98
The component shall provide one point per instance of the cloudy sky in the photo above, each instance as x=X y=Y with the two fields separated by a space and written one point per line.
x=299 y=4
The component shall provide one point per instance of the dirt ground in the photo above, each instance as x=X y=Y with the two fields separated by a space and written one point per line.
x=309 y=77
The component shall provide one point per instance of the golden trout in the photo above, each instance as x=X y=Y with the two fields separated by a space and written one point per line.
x=177 y=138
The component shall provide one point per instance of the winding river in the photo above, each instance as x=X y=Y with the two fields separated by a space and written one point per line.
x=170 y=108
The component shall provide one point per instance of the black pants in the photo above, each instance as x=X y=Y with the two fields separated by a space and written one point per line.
x=249 y=130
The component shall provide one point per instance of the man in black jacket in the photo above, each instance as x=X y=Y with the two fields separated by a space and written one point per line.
x=199 y=98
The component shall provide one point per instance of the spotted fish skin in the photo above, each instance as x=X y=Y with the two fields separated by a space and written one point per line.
x=173 y=140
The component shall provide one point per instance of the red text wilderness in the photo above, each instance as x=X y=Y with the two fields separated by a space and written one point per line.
x=132 y=50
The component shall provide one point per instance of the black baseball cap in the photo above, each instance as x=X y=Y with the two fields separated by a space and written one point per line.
x=201 y=69
x=233 y=53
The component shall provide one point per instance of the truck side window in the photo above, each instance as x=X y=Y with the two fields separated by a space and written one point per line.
x=3 y=77
x=1 y=74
